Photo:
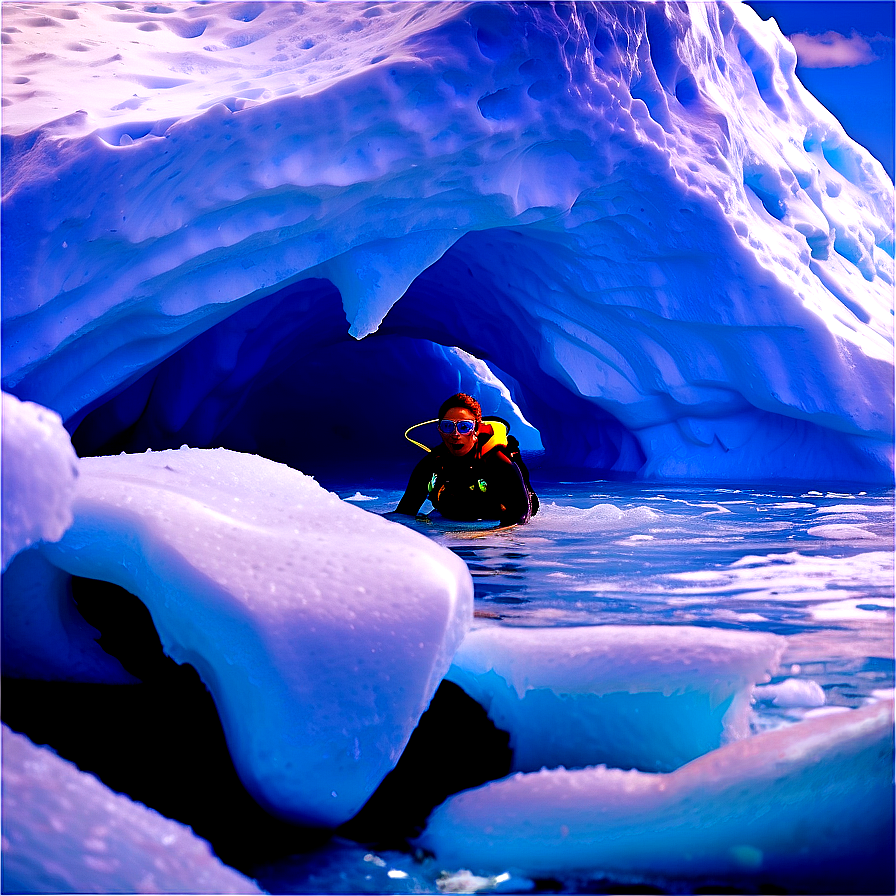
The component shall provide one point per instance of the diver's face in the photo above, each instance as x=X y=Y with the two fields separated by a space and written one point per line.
x=457 y=443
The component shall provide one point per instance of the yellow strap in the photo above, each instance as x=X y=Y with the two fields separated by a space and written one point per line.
x=498 y=438
x=419 y=444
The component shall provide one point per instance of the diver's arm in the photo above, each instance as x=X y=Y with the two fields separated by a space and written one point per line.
x=514 y=494
x=415 y=494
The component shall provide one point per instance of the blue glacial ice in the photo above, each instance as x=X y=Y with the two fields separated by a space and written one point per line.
x=635 y=212
x=651 y=697
x=627 y=224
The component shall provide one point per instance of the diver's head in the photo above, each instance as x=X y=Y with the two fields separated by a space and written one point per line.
x=459 y=419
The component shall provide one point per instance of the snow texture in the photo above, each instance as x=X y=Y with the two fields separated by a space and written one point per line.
x=673 y=254
x=322 y=631
x=809 y=804
x=647 y=697
x=39 y=471
x=65 y=832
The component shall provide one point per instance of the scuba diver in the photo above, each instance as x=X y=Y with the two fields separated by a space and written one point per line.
x=476 y=473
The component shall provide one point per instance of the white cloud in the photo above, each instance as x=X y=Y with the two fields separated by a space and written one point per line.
x=832 y=50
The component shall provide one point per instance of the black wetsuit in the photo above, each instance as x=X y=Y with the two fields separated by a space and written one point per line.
x=471 y=487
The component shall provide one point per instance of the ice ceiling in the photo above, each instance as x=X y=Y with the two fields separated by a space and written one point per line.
x=270 y=226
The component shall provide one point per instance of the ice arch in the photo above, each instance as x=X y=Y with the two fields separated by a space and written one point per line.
x=635 y=211
x=283 y=378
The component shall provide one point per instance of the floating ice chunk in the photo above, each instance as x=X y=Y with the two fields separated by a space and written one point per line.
x=790 y=693
x=66 y=832
x=855 y=508
x=857 y=608
x=791 y=576
x=810 y=804
x=842 y=532
x=322 y=631
x=39 y=470
x=598 y=518
x=463 y=881
x=648 y=697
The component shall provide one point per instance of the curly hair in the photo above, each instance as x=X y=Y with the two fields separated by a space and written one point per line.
x=462 y=400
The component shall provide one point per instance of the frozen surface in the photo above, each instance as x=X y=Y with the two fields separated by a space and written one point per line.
x=39 y=470
x=811 y=803
x=322 y=631
x=66 y=832
x=672 y=254
x=648 y=697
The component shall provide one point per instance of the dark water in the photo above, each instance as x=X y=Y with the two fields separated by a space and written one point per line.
x=814 y=566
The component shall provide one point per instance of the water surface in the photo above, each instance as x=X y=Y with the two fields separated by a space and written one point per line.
x=815 y=566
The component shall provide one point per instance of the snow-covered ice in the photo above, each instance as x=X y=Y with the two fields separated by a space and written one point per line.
x=39 y=470
x=648 y=697
x=812 y=802
x=66 y=832
x=636 y=214
x=322 y=631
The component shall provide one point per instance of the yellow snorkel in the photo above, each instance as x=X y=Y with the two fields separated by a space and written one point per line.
x=419 y=444
x=500 y=428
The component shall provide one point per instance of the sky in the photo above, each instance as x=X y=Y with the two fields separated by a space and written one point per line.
x=845 y=53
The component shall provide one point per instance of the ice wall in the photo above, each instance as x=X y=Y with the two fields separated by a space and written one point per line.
x=635 y=211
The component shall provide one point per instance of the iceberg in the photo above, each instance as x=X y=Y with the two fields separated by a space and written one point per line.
x=809 y=805
x=322 y=631
x=65 y=832
x=281 y=234
x=635 y=215
x=647 y=697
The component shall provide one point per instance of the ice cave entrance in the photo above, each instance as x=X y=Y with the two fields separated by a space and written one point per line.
x=282 y=378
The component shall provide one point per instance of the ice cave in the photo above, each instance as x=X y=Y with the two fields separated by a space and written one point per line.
x=246 y=245
x=635 y=214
